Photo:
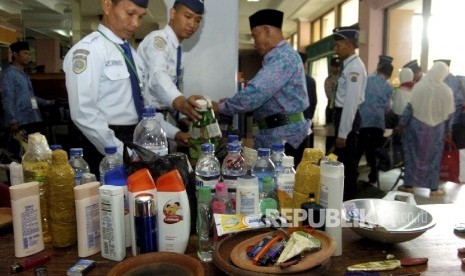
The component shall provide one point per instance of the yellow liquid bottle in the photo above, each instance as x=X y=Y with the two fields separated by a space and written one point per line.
x=36 y=161
x=307 y=177
x=60 y=201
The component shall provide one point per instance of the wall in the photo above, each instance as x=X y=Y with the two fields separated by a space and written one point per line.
x=400 y=38
x=210 y=57
x=48 y=54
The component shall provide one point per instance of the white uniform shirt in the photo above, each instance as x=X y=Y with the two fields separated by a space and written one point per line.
x=350 y=92
x=159 y=52
x=99 y=88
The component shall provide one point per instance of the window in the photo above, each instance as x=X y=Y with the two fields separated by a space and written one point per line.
x=328 y=22
x=349 y=12
x=316 y=30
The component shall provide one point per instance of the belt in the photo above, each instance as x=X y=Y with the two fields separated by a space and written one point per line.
x=278 y=120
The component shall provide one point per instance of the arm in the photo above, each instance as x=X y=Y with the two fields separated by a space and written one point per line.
x=8 y=98
x=355 y=91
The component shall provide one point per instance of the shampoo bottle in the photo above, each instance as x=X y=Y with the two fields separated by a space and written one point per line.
x=173 y=213
x=27 y=223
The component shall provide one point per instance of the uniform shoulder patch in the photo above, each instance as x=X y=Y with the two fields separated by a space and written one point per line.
x=354 y=76
x=159 y=43
x=80 y=60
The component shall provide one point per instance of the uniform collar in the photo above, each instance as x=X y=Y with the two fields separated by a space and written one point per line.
x=109 y=34
x=350 y=59
x=171 y=36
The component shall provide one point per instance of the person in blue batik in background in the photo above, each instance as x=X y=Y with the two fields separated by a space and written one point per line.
x=377 y=102
x=20 y=105
x=277 y=94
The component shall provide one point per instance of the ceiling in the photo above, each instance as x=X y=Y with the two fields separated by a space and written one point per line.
x=52 y=18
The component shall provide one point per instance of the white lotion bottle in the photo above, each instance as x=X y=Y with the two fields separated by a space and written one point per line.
x=27 y=223
x=113 y=243
x=86 y=199
x=247 y=195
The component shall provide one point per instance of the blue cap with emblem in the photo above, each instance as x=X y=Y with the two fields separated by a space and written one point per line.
x=196 y=6
x=413 y=65
x=345 y=33
x=266 y=17
x=141 y=3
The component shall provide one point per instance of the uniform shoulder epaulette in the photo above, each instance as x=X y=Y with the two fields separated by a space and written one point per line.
x=91 y=37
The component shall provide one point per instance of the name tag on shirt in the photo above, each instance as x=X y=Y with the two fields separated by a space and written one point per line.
x=34 y=103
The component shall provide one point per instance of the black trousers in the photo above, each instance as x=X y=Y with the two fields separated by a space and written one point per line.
x=93 y=156
x=348 y=155
x=370 y=138
x=299 y=151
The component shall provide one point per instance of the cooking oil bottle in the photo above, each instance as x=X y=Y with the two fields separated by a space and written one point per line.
x=60 y=200
x=36 y=161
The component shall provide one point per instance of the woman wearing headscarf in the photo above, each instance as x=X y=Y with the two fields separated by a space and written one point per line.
x=404 y=92
x=425 y=122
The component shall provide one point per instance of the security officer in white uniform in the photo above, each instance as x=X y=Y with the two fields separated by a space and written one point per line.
x=350 y=94
x=161 y=50
x=104 y=104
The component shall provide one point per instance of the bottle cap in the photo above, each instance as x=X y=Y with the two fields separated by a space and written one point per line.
x=268 y=184
x=277 y=147
x=232 y=138
x=111 y=149
x=144 y=205
x=74 y=151
x=148 y=112
x=221 y=189
x=55 y=147
x=140 y=180
x=208 y=147
x=288 y=161
x=116 y=177
x=170 y=182
x=205 y=194
x=203 y=103
x=234 y=147
x=263 y=152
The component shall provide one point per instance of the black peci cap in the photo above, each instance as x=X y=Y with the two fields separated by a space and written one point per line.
x=267 y=17
x=383 y=59
x=413 y=65
x=19 y=46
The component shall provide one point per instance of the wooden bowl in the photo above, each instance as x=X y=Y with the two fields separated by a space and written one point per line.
x=222 y=259
x=158 y=263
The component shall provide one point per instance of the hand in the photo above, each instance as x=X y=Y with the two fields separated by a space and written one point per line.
x=185 y=121
x=182 y=138
x=340 y=142
x=215 y=107
x=187 y=106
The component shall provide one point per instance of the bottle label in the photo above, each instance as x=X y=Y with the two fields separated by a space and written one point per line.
x=93 y=225
x=209 y=181
x=285 y=183
x=195 y=132
x=269 y=205
x=213 y=130
x=172 y=210
x=247 y=203
x=30 y=226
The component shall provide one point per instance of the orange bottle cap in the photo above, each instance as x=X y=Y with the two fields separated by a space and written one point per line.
x=170 y=182
x=141 y=180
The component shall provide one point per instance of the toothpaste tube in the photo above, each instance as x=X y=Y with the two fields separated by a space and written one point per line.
x=233 y=223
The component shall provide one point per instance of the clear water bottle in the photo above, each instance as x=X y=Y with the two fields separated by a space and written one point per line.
x=263 y=167
x=111 y=160
x=204 y=225
x=233 y=167
x=268 y=199
x=207 y=169
x=277 y=156
x=149 y=133
x=77 y=162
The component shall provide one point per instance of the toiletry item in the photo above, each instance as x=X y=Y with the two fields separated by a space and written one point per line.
x=32 y=262
x=16 y=173
x=86 y=199
x=227 y=224
x=173 y=213
x=204 y=225
x=81 y=268
x=145 y=223
x=112 y=222
x=27 y=223
x=285 y=180
x=247 y=202
x=139 y=182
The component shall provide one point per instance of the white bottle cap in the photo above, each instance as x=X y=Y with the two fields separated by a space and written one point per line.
x=203 y=103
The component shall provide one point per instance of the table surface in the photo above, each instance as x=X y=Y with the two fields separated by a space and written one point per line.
x=439 y=244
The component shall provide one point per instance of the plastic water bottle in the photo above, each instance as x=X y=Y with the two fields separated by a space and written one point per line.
x=233 y=138
x=277 y=156
x=149 y=133
x=233 y=167
x=111 y=160
x=268 y=199
x=78 y=163
x=263 y=167
x=285 y=180
x=207 y=169
x=204 y=224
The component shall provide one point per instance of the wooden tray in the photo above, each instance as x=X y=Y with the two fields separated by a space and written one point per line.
x=6 y=219
x=222 y=260
x=159 y=263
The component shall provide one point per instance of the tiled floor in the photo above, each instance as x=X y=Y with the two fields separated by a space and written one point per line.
x=455 y=193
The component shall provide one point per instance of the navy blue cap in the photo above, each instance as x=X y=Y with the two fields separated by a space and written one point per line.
x=19 y=46
x=345 y=33
x=116 y=176
x=446 y=61
x=196 y=6
x=141 y=3
x=413 y=65
x=267 y=17
x=383 y=59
